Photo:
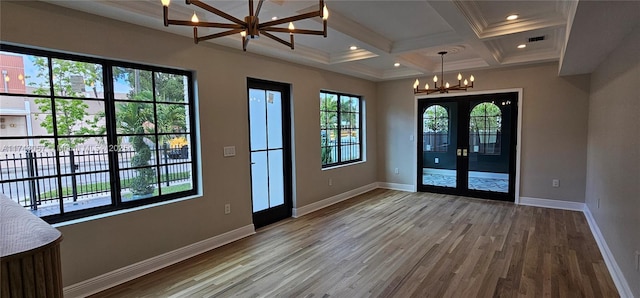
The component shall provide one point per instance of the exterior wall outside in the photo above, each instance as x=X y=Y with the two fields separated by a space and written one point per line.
x=613 y=159
x=554 y=132
x=98 y=246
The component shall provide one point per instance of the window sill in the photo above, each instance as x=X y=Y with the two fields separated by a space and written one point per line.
x=123 y=211
x=344 y=165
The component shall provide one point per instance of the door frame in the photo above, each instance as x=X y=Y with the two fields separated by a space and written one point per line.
x=444 y=96
x=283 y=211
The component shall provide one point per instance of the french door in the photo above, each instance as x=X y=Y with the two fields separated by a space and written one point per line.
x=467 y=145
x=269 y=130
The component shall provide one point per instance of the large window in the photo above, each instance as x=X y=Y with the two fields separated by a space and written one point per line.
x=82 y=136
x=340 y=128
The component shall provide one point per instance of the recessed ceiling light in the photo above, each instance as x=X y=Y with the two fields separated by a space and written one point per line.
x=522 y=46
x=274 y=18
x=353 y=48
x=396 y=64
x=512 y=17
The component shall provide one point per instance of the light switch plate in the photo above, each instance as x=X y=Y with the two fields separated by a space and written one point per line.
x=229 y=151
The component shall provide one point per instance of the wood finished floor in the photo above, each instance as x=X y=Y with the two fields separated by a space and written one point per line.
x=397 y=244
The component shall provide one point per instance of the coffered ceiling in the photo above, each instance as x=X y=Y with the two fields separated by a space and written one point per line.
x=476 y=34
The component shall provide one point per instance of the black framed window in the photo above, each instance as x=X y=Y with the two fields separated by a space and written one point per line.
x=340 y=128
x=83 y=136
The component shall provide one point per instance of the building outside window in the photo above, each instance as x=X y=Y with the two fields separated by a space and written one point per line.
x=82 y=136
x=340 y=128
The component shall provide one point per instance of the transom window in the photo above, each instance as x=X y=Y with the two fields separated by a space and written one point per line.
x=340 y=128
x=82 y=136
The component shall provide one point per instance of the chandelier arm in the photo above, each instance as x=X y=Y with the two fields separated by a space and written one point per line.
x=278 y=39
x=216 y=11
x=259 y=7
x=221 y=34
x=250 y=7
x=205 y=24
x=295 y=31
x=254 y=24
x=303 y=16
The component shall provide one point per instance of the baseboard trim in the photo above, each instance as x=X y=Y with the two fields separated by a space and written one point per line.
x=127 y=273
x=297 y=212
x=396 y=186
x=616 y=274
x=553 y=204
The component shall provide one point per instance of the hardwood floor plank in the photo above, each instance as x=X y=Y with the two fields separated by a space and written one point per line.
x=397 y=244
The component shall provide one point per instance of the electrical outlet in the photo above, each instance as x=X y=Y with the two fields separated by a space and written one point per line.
x=397 y=171
x=227 y=208
x=555 y=183
x=330 y=181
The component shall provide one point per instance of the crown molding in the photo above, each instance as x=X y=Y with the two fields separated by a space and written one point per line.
x=349 y=56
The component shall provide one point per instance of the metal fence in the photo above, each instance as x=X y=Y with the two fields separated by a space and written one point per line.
x=33 y=178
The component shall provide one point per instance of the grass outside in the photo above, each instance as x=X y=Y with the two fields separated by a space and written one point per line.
x=124 y=183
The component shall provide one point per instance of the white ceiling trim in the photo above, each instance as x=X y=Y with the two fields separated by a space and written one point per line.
x=506 y=28
x=349 y=56
x=375 y=42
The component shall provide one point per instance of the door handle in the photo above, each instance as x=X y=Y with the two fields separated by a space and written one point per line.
x=459 y=152
x=464 y=152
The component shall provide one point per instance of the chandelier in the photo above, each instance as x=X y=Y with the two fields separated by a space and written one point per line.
x=444 y=87
x=250 y=28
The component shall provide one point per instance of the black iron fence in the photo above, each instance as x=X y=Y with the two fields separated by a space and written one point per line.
x=32 y=178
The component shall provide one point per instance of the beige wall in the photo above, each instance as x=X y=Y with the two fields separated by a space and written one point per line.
x=554 y=130
x=100 y=246
x=613 y=159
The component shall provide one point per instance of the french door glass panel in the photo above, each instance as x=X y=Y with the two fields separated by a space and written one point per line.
x=267 y=173
x=439 y=143
x=259 y=180
x=489 y=143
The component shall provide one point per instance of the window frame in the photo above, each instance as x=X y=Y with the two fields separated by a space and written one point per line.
x=339 y=129
x=111 y=133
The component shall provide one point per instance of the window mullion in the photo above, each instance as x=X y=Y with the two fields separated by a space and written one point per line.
x=54 y=123
x=112 y=140
x=339 y=132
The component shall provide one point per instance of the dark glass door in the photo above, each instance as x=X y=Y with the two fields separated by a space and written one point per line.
x=269 y=127
x=467 y=145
